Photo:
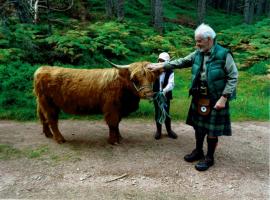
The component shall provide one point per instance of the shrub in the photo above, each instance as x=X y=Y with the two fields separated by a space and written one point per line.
x=260 y=68
x=16 y=90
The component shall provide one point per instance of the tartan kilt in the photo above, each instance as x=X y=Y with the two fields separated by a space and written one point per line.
x=216 y=123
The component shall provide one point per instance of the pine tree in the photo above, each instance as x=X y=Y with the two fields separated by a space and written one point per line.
x=201 y=9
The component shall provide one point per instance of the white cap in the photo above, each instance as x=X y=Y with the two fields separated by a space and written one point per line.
x=164 y=56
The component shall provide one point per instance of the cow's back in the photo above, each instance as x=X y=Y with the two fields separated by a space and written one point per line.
x=77 y=91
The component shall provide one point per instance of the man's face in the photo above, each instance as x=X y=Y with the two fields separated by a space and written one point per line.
x=161 y=60
x=203 y=44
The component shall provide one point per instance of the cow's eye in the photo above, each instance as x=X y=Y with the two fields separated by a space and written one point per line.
x=135 y=81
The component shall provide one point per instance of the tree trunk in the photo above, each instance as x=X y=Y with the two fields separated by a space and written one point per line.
x=157 y=15
x=120 y=10
x=115 y=8
x=233 y=6
x=218 y=4
x=251 y=11
x=152 y=11
x=259 y=10
x=246 y=11
x=201 y=7
x=228 y=9
x=23 y=10
x=109 y=8
x=267 y=8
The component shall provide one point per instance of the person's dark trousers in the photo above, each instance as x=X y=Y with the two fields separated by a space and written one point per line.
x=157 y=135
x=208 y=161
x=168 y=125
x=158 y=131
x=197 y=153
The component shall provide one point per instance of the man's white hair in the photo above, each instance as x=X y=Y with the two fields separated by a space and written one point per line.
x=205 y=31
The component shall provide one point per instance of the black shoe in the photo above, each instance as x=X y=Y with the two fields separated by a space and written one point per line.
x=172 y=134
x=204 y=164
x=157 y=135
x=194 y=156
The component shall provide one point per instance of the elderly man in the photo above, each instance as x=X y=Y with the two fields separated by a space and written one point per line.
x=214 y=80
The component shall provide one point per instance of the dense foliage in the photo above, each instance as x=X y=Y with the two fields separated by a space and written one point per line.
x=24 y=47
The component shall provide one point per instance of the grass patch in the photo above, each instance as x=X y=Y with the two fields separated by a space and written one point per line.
x=73 y=157
x=8 y=152
x=36 y=153
x=252 y=101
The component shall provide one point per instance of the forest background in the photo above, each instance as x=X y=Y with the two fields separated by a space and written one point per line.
x=83 y=33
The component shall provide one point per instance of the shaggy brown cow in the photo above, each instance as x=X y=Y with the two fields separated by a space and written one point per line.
x=115 y=92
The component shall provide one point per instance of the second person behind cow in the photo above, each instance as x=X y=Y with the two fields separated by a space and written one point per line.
x=164 y=84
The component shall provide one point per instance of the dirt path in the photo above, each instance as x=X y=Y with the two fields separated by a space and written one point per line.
x=34 y=167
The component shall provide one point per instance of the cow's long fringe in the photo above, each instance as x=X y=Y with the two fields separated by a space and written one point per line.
x=141 y=69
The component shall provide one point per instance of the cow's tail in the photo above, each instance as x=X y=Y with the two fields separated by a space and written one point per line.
x=37 y=82
x=37 y=90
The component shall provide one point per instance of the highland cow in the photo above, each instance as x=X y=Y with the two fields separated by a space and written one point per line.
x=113 y=92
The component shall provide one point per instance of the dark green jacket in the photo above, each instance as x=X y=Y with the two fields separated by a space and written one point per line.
x=216 y=74
x=217 y=77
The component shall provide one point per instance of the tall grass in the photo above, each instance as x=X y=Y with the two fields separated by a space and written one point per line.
x=252 y=101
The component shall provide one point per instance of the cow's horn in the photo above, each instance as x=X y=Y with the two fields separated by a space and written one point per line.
x=118 y=66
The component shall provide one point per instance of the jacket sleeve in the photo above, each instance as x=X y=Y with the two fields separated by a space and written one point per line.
x=232 y=75
x=181 y=62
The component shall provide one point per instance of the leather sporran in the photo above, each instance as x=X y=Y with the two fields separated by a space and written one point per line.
x=204 y=106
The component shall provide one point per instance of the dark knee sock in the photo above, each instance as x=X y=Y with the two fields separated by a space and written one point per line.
x=212 y=144
x=199 y=135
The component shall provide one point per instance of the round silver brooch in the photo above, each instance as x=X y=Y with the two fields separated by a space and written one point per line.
x=203 y=109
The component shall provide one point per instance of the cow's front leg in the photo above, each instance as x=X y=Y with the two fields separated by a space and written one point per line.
x=112 y=117
x=56 y=133
x=119 y=136
x=113 y=120
x=113 y=135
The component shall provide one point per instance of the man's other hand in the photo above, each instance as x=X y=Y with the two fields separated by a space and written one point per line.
x=221 y=103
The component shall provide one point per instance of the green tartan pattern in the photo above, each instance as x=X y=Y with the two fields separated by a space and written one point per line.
x=217 y=123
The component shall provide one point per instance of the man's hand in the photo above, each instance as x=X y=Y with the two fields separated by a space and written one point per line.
x=155 y=66
x=220 y=103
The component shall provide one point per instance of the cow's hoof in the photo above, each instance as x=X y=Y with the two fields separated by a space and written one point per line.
x=60 y=141
x=48 y=135
x=120 y=138
x=112 y=141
